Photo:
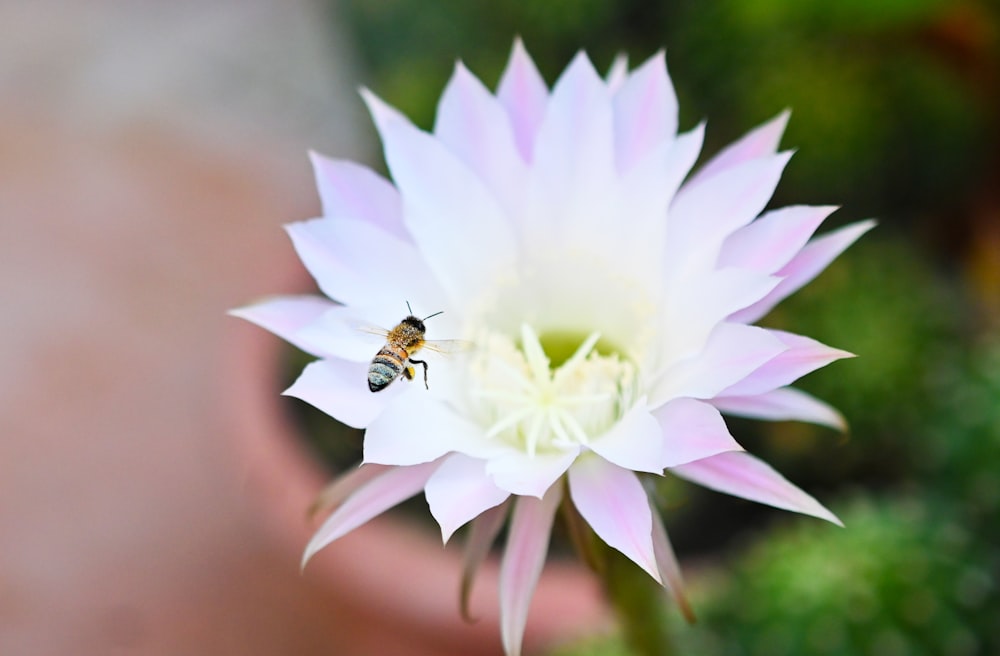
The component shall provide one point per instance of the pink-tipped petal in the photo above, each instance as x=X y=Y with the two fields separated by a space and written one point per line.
x=785 y=404
x=811 y=260
x=681 y=156
x=666 y=563
x=634 y=442
x=524 y=95
x=369 y=501
x=612 y=500
x=527 y=545
x=703 y=215
x=526 y=475
x=692 y=430
x=771 y=241
x=759 y=142
x=459 y=491
x=617 y=72
x=645 y=111
x=418 y=428
x=344 y=486
x=803 y=356
x=476 y=128
x=351 y=191
x=732 y=352
x=444 y=204
x=742 y=475
x=340 y=389
x=482 y=535
x=285 y=316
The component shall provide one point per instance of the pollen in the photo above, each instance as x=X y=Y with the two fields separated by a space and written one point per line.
x=521 y=398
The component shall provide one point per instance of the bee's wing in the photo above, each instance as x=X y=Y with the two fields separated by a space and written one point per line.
x=447 y=346
x=370 y=329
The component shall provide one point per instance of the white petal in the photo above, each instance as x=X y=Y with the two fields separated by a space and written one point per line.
x=417 y=428
x=732 y=352
x=742 y=475
x=805 y=266
x=648 y=187
x=785 y=404
x=635 y=442
x=356 y=262
x=803 y=356
x=615 y=505
x=771 y=241
x=523 y=94
x=457 y=224
x=519 y=473
x=285 y=316
x=340 y=332
x=348 y=190
x=475 y=127
x=645 y=111
x=692 y=430
x=703 y=215
x=372 y=499
x=759 y=142
x=574 y=166
x=666 y=563
x=340 y=389
x=459 y=491
x=692 y=308
x=523 y=558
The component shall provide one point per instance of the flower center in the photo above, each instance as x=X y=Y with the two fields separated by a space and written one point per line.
x=548 y=394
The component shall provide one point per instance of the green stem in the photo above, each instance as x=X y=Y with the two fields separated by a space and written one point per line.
x=639 y=602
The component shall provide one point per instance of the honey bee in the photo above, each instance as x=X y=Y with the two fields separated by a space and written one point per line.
x=395 y=358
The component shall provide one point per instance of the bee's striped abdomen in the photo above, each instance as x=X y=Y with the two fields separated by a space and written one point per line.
x=386 y=367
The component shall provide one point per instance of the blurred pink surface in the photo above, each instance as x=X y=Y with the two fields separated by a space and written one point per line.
x=152 y=497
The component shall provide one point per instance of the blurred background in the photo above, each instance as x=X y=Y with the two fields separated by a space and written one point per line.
x=151 y=496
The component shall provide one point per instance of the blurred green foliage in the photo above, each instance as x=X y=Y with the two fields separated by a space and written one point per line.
x=896 y=113
x=906 y=578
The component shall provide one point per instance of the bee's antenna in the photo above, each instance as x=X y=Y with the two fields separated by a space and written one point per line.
x=409 y=309
x=432 y=315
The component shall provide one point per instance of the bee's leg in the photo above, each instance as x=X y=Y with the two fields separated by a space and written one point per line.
x=412 y=361
x=408 y=373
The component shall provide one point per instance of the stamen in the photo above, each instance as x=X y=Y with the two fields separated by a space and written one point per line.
x=557 y=427
x=534 y=354
x=580 y=354
x=580 y=399
x=530 y=405
x=575 y=428
x=531 y=443
x=510 y=420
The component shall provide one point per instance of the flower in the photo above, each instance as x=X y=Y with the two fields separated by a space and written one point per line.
x=607 y=298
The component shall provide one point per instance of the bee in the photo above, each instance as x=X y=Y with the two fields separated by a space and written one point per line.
x=395 y=358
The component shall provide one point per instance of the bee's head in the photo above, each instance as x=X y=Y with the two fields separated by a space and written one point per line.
x=414 y=322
